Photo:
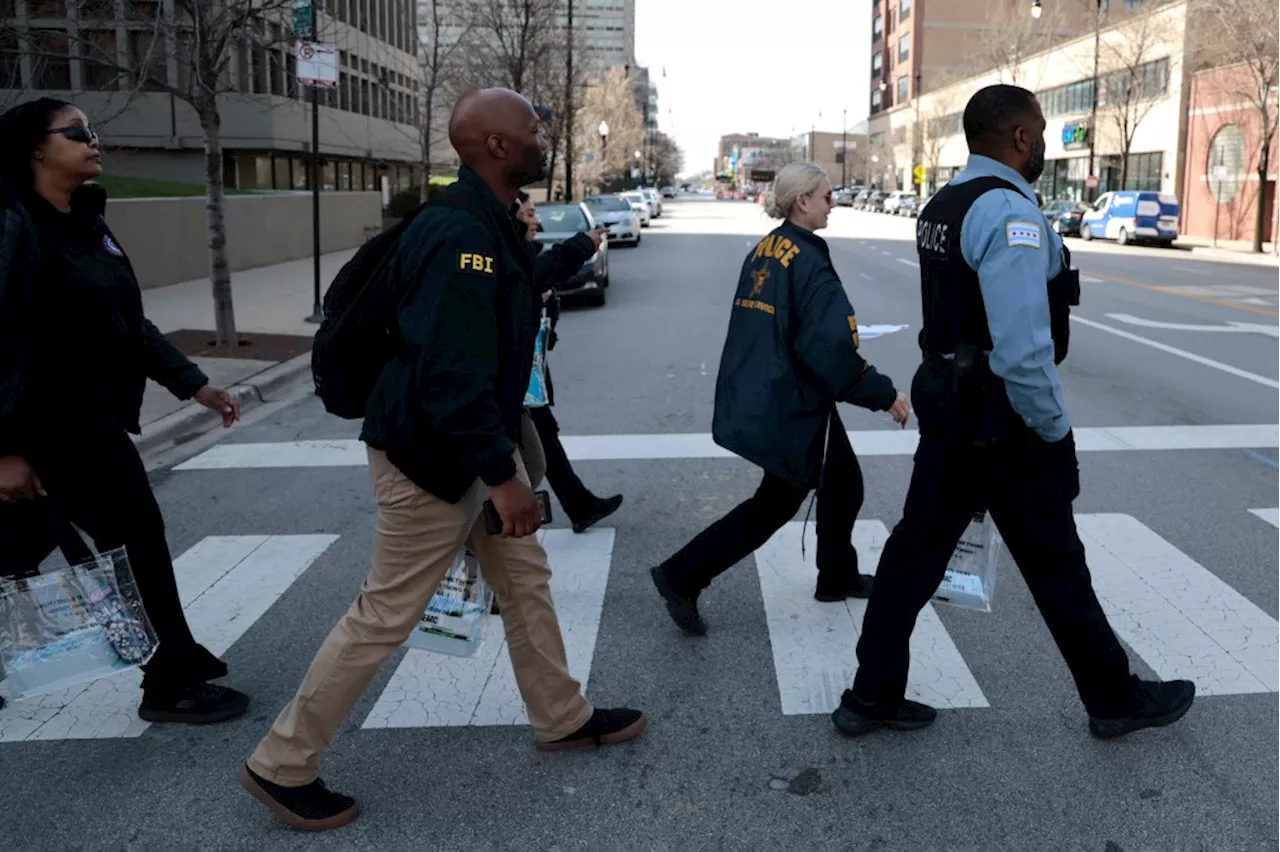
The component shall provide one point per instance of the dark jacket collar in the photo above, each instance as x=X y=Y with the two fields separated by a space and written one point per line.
x=500 y=212
x=88 y=205
x=798 y=234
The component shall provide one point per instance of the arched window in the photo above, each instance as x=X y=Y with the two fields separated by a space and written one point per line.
x=1226 y=167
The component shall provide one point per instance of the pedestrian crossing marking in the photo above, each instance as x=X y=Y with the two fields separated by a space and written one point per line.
x=225 y=583
x=869 y=442
x=431 y=690
x=1176 y=614
x=813 y=642
x=1271 y=516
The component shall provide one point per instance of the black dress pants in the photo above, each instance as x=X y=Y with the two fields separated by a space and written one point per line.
x=1028 y=486
x=96 y=480
x=576 y=498
x=750 y=524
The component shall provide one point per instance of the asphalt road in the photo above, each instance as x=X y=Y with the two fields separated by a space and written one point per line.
x=740 y=753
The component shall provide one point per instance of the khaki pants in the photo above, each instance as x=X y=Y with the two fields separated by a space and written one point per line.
x=416 y=538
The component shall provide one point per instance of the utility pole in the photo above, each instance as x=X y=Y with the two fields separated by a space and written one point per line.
x=317 y=312
x=568 y=110
x=1093 y=114
x=844 y=147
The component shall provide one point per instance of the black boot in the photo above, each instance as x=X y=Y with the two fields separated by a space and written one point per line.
x=682 y=609
x=597 y=512
x=836 y=587
x=1154 y=704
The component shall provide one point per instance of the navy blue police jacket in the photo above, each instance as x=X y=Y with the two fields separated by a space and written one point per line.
x=790 y=354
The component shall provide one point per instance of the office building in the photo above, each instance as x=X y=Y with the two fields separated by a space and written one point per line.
x=366 y=123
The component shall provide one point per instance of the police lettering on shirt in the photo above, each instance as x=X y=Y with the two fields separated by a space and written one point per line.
x=932 y=237
x=779 y=248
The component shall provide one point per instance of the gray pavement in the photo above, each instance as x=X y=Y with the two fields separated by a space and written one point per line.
x=727 y=763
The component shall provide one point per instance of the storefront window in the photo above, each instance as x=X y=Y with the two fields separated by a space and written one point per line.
x=1225 y=169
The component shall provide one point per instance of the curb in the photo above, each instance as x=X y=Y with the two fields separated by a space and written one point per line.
x=193 y=420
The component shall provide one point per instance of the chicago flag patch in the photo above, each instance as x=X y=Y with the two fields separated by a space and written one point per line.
x=1022 y=234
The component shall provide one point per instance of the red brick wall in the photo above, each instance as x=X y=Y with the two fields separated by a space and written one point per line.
x=1216 y=101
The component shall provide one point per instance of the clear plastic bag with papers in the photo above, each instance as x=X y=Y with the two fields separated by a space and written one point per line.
x=970 y=580
x=536 y=394
x=455 y=618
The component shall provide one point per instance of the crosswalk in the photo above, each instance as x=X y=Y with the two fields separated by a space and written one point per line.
x=1173 y=612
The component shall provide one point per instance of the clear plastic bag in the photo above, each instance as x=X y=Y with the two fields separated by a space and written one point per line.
x=536 y=394
x=455 y=617
x=73 y=625
x=970 y=580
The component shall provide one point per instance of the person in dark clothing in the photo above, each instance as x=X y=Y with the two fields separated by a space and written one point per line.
x=75 y=354
x=790 y=355
x=552 y=265
x=443 y=429
x=996 y=292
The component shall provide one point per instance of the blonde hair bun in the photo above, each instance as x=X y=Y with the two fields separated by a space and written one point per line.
x=792 y=181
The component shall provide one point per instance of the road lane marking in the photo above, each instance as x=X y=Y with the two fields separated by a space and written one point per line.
x=430 y=690
x=1176 y=291
x=350 y=452
x=1175 y=613
x=226 y=583
x=1089 y=279
x=813 y=643
x=907 y=262
x=1188 y=269
x=865 y=275
x=1181 y=353
x=1271 y=516
x=1232 y=326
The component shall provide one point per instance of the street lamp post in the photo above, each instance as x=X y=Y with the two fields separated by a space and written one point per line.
x=844 y=147
x=603 y=130
x=1036 y=11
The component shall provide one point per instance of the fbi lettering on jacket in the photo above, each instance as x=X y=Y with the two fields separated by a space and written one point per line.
x=931 y=236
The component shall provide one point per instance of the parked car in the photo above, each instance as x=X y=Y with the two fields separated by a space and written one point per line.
x=891 y=202
x=1132 y=215
x=860 y=200
x=560 y=222
x=652 y=196
x=1065 y=215
x=618 y=215
x=908 y=205
x=640 y=204
x=875 y=201
x=668 y=192
x=844 y=198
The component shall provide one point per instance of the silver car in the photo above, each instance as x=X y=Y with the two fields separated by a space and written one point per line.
x=612 y=210
x=560 y=222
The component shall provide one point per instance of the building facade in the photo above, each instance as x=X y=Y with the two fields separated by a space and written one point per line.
x=1220 y=189
x=1137 y=140
x=121 y=68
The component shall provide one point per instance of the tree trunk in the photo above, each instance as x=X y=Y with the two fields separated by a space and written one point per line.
x=224 y=315
x=426 y=143
x=1260 y=219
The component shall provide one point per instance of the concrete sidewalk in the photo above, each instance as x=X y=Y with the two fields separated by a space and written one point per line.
x=1230 y=251
x=268 y=300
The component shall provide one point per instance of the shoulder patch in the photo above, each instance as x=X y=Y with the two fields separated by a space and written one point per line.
x=474 y=263
x=853 y=327
x=111 y=247
x=1022 y=234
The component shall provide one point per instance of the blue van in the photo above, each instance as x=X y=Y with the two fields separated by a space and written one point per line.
x=1131 y=215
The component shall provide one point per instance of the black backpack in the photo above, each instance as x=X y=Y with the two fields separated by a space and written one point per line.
x=358 y=334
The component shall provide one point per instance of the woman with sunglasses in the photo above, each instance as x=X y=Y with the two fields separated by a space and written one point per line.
x=75 y=354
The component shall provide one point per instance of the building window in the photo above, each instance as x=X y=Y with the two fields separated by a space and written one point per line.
x=904 y=90
x=875 y=100
x=50 y=60
x=904 y=47
x=99 y=50
x=877 y=29
x=877 y=62
x=1225 y=169
x=904 y=10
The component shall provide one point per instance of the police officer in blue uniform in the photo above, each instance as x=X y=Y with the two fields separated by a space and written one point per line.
x=790 y=355
x=994 y=433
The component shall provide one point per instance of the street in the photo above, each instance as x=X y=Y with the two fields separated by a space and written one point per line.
x=1171 y=387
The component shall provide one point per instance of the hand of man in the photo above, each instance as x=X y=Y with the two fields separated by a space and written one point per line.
x=900 y=410
x=517 y=507
x=18 y=481
x=597 y=235
x=219 y=401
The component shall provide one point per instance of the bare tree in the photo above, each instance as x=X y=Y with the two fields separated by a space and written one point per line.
x=1010 y=35
x=1133 y=79
x=511 y=41
x=666 y=157
x=610 y=99
x=936 y=123
x=1243 y=34
x=442 y=37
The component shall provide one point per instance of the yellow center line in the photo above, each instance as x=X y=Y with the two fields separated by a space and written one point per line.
x=1174 y=291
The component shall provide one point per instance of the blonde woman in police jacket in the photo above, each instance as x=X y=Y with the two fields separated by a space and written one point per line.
x=790 y=355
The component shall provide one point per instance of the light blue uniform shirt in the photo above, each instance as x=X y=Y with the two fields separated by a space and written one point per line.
x=1007 y=241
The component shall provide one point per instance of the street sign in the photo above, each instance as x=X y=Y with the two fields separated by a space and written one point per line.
x=302 y=13
x=1091 y=181
x=919 y=174
x=317 y=64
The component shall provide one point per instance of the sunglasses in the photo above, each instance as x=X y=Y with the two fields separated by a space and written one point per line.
x=76 y=133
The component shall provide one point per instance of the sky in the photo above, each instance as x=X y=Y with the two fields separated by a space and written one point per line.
x=753 y=66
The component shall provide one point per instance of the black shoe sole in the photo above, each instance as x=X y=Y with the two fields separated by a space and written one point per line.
x=855 y=724
x=673 y=601
x=336 y=821
x=1110 y=729
x=223 y=714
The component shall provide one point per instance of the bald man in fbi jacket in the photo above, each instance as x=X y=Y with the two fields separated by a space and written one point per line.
x=996 y=285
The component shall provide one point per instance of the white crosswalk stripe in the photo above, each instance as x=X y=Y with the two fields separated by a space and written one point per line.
x=1271 y=516
x=1171 y=611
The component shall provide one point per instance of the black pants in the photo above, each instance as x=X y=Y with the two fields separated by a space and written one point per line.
x=1027 y=486
x=576 y=499
x=750 y=524
x=96 y=480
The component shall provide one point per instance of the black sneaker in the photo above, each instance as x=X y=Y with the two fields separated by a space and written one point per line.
x=855 y=717
x=311 y=807
x=202 y=704
x=683 y=611
x=1155 y=704
x=605 y=727
x=849 y=586
x=603 y=509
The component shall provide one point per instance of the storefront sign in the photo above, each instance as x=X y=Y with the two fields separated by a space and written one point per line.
x=1075 y=134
